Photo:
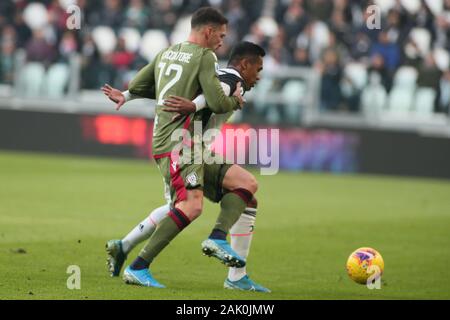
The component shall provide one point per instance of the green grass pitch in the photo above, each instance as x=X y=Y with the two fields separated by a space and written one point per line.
x=61 y=209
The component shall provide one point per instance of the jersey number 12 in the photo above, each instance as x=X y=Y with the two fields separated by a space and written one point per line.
x=172 y=67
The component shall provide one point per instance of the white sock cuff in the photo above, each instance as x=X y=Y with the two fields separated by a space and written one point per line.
x=250 y=211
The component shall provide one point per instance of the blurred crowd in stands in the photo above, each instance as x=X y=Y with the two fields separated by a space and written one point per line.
x=118 y=37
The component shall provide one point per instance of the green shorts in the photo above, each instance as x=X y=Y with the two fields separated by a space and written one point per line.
x=214 y=174
x=178 y=178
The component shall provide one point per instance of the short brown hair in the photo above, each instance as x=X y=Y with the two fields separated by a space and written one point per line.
x=207 y=15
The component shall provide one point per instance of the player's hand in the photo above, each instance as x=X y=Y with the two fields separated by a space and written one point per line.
x=180 y=105
x=114 y=95
x=238 y=93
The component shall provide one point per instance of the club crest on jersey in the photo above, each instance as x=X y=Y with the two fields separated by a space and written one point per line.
x=192 y=179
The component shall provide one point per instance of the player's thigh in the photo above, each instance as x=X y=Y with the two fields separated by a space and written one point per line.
x=181 y=179
x=237 y=177
x=163 y=166
x=214 y=175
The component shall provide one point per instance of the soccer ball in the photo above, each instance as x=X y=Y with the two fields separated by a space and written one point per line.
x=364 y=263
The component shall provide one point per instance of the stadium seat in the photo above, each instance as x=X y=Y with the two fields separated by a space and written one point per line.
x=56 y=80
x=406 y=77
x=320 y=36
x=424 y=101
x=412 y=6
x=181 y=31
x=436 y=6
x=66 y=3
x=400 y=100
x=31 y=79
x=35 y=15
x=401 y=97
x=373 y=97
x=356 y=73
x=268 y=26
x=293 y=94
x=153 y=41
x=132 y=38
x=385 y=5
x=105 y=39
x=442 y=58
x=422 y=38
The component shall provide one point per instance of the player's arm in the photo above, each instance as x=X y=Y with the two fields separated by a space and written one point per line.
x=143 y=84
x=230 y=88
x=215 y=97
x=185 y=106
x=119 y=97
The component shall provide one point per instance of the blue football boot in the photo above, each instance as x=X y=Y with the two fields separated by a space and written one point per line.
x=141 y=278
x=222 y=250
x=244 y=284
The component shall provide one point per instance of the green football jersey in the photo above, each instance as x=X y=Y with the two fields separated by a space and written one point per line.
x=185 y=70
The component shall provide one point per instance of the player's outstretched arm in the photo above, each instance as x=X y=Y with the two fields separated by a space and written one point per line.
x=119 y=97
x=215 y=97
x=143 y=84
x=114 y=95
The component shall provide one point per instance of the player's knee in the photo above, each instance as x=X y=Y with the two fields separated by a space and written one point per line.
x=196 y=206
x=251 y=184
x=196 y=211
x=192 y=212
x=192 y=208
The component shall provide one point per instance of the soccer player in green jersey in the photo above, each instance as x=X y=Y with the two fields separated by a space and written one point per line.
x=244 y=66
x=184 y=70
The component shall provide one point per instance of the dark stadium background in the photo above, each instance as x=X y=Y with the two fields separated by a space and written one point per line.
x=331 y=83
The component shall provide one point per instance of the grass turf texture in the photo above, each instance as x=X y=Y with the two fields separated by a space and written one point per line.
x=62 y=209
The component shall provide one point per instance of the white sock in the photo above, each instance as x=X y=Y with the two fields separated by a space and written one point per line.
x=241 y=237
x=144 y=229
